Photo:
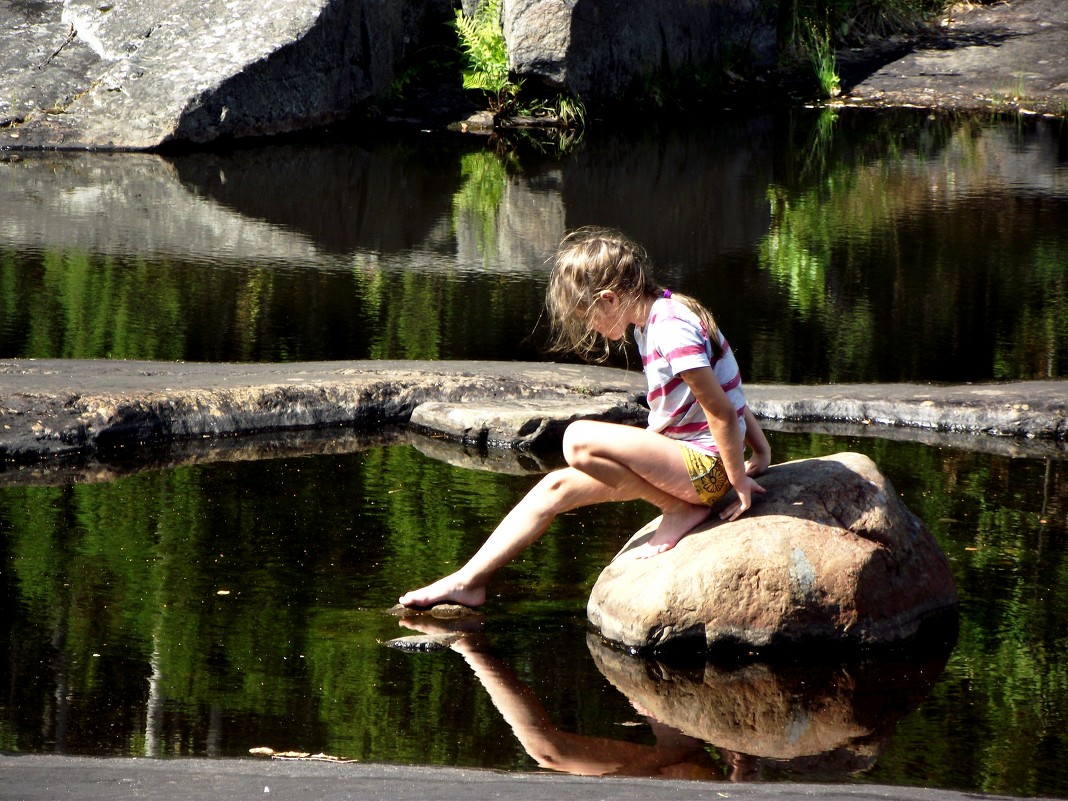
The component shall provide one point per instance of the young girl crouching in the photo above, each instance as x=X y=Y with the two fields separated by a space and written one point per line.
x=692 y=451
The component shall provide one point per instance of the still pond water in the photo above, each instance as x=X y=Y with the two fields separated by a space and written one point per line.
x=230 y=603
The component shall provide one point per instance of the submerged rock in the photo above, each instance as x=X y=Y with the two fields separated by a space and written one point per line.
x=438 y=611
x=424 y=643
x=829 y=554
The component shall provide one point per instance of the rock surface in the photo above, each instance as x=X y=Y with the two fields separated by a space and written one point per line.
x=598 y=50
x=1000 y=56
x=830 y=554
x=90 y=408
x=135 y=74
x=53 y=408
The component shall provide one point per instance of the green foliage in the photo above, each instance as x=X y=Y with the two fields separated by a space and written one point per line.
x=823 y=59
x=854 y=22
x=486 y=56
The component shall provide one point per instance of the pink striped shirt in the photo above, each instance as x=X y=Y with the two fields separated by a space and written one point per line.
x=673 y=341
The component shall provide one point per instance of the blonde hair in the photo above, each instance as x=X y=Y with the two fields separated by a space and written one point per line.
x=590 y=261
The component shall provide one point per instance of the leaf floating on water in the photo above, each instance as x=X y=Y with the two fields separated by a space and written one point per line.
x=301 y=755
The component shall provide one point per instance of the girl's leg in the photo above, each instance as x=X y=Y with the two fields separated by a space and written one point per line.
x=559 y=491
x=618 y=455
x=609 y=462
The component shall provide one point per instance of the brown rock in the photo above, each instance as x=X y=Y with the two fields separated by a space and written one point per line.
x=830 y=553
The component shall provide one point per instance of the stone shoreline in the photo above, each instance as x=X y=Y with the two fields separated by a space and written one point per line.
x=55 y=414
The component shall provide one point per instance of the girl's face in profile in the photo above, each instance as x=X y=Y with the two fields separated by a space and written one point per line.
x=606 y=316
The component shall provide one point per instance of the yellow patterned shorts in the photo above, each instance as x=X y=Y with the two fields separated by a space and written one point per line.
x=707 y=473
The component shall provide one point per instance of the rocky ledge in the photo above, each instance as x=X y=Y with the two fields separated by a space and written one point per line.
x=84 y=408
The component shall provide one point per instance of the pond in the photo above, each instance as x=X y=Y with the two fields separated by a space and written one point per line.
x=219 y=606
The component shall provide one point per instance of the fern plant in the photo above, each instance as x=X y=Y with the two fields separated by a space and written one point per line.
x=486 y=55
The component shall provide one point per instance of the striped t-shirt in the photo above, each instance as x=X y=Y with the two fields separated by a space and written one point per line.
x=674 y=340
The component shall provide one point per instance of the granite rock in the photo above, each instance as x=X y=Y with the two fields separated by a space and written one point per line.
x=830 y=554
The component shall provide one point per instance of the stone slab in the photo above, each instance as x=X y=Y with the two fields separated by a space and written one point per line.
x=80 y=408
x=41 y=777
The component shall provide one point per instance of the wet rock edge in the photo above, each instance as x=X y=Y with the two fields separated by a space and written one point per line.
x=62 y=412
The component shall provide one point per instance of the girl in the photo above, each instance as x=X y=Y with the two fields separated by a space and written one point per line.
x=687 y=459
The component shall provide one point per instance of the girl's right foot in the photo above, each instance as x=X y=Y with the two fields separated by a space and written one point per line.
x=443 y=591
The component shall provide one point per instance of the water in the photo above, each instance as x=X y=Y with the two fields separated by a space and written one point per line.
x=215 y=607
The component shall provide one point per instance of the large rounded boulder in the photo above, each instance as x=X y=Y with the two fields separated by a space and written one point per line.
x=829 y=554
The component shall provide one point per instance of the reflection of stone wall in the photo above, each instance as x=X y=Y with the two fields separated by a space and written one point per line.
x=529 y=223
x=343 y=197
x=134 y=205
x=694 y=194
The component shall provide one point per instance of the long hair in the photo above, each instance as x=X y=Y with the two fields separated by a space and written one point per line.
x=589 y=261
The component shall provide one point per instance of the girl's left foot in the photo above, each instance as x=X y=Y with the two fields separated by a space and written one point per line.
x=673 y=527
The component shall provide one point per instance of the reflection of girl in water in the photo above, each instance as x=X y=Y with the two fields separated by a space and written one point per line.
x=675 y=755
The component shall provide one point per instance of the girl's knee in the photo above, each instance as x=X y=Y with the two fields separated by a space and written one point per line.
x=579 y=438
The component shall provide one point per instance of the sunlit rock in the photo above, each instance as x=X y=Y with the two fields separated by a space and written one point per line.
x=535 y=423
x=829 y=554
x=133 y=74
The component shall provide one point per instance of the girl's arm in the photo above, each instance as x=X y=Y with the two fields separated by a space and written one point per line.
x=723 y=422
x=760 y=459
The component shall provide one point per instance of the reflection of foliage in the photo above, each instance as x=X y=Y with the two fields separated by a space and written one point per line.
x=55 y=305
x=95 y=308
x=310 y=550
x=1038 y=342
x=788 y=254
x=477 y=203
x=881 y=245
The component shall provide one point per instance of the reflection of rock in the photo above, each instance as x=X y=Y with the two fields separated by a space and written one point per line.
x=525 y=227
x=132 y=204
x=343 y=198
x=830 y=553
x=507 y=460
x=815 y=719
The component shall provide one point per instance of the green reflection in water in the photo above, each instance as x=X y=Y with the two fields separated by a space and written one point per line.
x=212 y=609
x=479 y=199
x=912 y=233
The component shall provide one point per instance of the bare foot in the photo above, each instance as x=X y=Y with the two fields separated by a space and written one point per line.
x=673 y=527
x=447 y=590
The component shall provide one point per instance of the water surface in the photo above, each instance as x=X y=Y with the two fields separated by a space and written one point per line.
x=236 y=602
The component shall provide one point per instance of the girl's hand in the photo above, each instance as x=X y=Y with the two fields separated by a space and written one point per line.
x=746 y=488
x=758 y=463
